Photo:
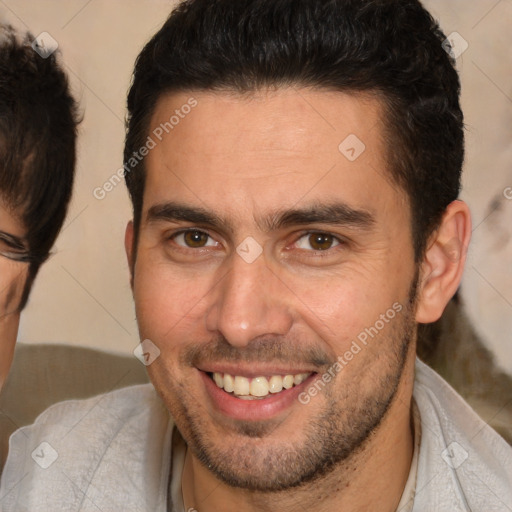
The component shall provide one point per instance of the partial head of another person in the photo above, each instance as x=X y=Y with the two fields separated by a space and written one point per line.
x=38 y=120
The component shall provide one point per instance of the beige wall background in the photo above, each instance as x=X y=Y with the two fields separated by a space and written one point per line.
x=82 y=295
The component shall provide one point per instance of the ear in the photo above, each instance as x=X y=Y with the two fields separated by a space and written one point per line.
x=443 y=263
x=128 y=247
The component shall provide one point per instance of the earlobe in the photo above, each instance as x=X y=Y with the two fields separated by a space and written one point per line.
x=128 y=247
x=443 y=263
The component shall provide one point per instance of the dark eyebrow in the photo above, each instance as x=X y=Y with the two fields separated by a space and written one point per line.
x=333 y=214
x=172 y=211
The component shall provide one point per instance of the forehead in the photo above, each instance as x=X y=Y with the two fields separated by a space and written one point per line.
x=268 y=150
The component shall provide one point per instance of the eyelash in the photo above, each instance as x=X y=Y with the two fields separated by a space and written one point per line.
x=340 y=241
x=175 y=235
x=7 y=240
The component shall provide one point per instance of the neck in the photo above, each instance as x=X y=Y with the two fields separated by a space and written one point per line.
x=373 y=478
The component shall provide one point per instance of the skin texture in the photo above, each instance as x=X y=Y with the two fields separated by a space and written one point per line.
x=248 y=160
x=12 y=280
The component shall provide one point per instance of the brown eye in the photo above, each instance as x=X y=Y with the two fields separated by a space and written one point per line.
x=195 y=239
x=317 y=241
x=321 y=241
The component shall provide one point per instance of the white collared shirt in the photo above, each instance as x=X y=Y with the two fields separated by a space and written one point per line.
x=113 y=453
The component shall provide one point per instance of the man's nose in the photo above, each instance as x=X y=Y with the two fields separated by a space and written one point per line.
x=250 y=301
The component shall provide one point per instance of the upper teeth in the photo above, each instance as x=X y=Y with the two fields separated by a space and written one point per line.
x=258 y=386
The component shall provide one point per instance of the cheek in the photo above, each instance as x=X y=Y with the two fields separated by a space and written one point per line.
x=341 y=307
x=8 y=333
x=12 y=282
x=168 y=301
x=11 y=290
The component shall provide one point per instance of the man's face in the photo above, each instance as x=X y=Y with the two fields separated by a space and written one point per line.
x=273 y=243
x=13 y=276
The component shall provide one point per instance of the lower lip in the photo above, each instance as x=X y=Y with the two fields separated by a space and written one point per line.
x=253 y=410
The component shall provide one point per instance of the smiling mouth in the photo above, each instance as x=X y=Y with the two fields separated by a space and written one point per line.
x=256 y=388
